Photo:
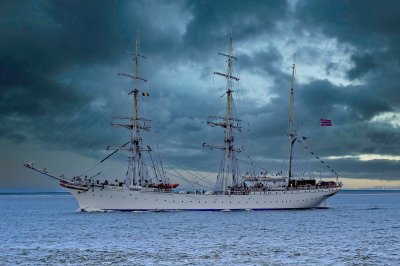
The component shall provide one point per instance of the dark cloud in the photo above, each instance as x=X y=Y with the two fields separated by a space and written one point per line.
x=212 y=22
x=40 y=41
x=264 y=62
x=347 y=103
x=362 y=65
x=363 y=23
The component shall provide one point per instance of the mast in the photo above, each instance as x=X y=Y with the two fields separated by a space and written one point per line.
x=228 y=168
x=135 y=139
x=292 y=128
x=136 y=164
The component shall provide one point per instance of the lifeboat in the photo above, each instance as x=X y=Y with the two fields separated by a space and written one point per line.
x=164 y=186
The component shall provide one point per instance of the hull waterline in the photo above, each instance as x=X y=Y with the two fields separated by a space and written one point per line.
x=123 y=199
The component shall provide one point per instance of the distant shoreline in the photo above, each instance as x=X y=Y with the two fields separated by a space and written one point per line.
x=34 y=193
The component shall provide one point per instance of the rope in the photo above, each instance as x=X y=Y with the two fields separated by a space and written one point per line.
x=180 y=177
x=72 y=115
x=204 y=180
x=327 y=166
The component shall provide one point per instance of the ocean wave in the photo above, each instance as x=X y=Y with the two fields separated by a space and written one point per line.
x=90 y=209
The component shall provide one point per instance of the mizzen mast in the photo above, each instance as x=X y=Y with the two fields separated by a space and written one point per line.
x=228 y=174
x=136 y=125
x=292 y=127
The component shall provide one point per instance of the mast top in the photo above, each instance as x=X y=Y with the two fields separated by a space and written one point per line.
x=228 y=75
x=137 y=122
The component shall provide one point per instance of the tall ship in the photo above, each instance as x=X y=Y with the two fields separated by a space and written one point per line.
x=146 y=186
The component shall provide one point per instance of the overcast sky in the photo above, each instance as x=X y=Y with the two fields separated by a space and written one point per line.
x=59 y=86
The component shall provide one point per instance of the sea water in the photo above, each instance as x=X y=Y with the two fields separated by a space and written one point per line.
x=360 y=227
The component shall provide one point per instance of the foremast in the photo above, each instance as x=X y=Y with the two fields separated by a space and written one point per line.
x=137 y=169
x=292 y=134
x=228 y=173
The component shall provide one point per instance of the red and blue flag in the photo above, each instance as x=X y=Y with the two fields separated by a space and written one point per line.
x=326 y=122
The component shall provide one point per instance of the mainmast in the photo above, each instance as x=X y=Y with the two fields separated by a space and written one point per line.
x=228 y=168
x=292 y=128
x=136 y=164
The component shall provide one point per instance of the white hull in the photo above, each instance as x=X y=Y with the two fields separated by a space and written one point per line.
x=123 y=199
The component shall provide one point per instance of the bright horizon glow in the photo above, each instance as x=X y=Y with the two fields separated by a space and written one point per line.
x=366 y=157
x=363 y=183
